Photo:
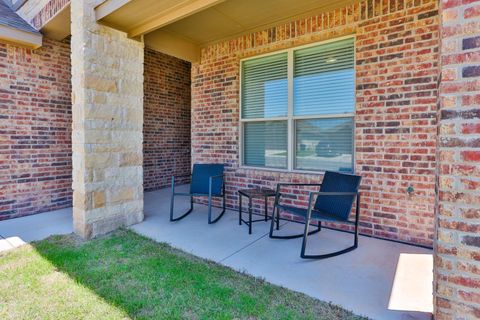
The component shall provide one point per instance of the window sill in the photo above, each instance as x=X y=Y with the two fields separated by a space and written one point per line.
x=317 y=173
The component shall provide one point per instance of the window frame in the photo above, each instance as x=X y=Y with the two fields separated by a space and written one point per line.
x=291 y=118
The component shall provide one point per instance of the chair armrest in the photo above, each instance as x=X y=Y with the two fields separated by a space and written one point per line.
x=216 y=177
x=210 y=182
x=334 y=193
x=182 y=176
x=280 y=185
x=298 y=184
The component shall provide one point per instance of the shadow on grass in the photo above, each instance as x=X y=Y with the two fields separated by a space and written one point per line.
x=143 y=279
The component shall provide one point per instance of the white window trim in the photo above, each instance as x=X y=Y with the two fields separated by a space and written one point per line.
x=290 y=118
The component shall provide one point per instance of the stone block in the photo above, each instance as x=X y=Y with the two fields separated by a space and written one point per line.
x=98 y=199
x=131 y=159
x=107 y=82
x=100 y=84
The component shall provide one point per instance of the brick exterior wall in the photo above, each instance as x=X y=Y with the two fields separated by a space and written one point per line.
x=166 y=121
x=35 y=126
x=35 y=129
x=457 y=253
x=395 y=136
x=48 y=12
x=39 y=12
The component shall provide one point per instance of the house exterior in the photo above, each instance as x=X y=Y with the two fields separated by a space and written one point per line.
x=102 y=100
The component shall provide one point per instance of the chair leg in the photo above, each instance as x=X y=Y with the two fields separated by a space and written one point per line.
x=266 y=208
x=305 y=235
x=210 y=220
x=357 y=218
x=224 y=200
x=239 y=209
x=209 y=208
x=272 y=223
x=172 y=204
x=327 y=255
x=249 y=215
x=296 y=236
x=278 y=219
x=336 y=253
x=172 y=199
x=172 y=219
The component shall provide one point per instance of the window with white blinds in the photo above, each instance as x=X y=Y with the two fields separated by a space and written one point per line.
x=265 y=87
x=297 y=108
x=266 y=144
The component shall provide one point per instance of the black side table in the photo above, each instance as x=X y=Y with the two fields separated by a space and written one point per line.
x=264 y=193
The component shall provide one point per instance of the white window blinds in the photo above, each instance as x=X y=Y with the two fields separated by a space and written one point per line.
x=265 y=87
x=324 y=79
x=312 y=128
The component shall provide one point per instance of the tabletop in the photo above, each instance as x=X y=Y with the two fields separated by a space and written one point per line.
x=257 y=192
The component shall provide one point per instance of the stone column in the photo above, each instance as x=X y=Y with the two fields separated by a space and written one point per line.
x=457 y=248
x=107 y=89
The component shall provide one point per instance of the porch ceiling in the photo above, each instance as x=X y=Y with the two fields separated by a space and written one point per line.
x=235 y=17
x=198 y=23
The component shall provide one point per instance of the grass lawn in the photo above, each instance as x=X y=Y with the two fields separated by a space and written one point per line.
x=124 y=276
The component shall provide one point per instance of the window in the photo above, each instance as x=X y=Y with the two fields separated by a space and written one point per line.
x=297 y=108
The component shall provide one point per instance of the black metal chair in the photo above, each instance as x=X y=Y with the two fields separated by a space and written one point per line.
x=333 y=204
x=207 y=180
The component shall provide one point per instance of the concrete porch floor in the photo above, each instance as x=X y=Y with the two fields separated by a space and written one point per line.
x=381 y=279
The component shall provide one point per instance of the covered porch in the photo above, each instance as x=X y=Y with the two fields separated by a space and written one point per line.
x=381 y=279
x=415 y=164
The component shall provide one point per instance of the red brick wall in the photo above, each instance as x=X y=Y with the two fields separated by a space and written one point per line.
x=457 y=251
x=35 y=126
x=47 y=12
x=35 y=129
x=397 y=74
x=166 y=126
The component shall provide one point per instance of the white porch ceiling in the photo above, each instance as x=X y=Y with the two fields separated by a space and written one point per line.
x=236 y=17
x=182 y=27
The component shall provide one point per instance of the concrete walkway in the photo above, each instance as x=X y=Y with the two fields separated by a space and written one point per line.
x=381 y=279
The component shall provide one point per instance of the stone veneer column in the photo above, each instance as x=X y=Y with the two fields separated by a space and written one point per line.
x=457 y=249
x=107 y=88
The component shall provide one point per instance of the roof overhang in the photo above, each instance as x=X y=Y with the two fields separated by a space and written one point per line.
x=58 y=27
x=182 y=27
x=139 y=17
x=20 y=37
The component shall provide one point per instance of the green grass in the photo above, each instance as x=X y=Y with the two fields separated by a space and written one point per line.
x=124 y=276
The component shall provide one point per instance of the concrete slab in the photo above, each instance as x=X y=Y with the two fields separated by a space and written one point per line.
x=381 y=279
x=39 y=226
x=360 y=281
x=10 y=243
x=193 y=234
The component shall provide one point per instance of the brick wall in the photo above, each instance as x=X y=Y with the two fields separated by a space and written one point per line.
x=48 y=11
x=35 y=126
x=166 y=122
x=31 y=8
x=457 y=254
x=35 y=129
x=395 y=137
x=39 y=12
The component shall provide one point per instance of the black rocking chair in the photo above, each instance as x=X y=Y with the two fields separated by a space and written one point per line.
x=333 y=204
x=207 y=181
